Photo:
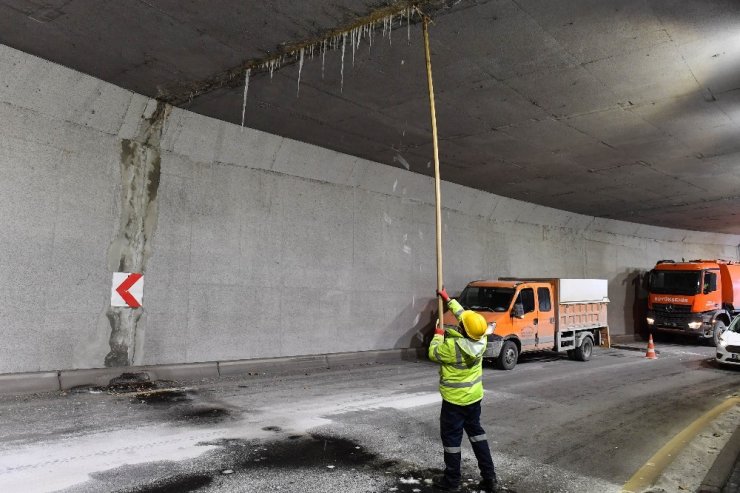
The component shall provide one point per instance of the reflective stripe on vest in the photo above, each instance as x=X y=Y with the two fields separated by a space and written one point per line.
x=456 y=308
x=459 y=385
x=463 y=366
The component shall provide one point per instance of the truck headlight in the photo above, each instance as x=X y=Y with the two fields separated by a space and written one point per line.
x=694 y=325
x=491 y=328
x=722 y=342
x=650 y=320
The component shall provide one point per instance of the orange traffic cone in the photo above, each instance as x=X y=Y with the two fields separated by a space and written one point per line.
x=651 y=349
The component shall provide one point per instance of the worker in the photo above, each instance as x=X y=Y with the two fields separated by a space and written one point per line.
x=460 y=351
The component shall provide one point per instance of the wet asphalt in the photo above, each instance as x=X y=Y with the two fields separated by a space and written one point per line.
x=554 y=425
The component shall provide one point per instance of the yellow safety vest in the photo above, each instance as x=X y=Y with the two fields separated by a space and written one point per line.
x=461 y=369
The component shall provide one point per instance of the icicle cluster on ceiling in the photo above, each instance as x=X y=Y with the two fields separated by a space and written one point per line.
x=335 y=42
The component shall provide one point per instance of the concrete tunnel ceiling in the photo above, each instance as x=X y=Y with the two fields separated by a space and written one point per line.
x=627 y=109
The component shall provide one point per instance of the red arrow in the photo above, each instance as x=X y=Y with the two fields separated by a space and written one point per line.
x=125 y=286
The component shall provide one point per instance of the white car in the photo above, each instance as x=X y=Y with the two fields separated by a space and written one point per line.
x=728 y=348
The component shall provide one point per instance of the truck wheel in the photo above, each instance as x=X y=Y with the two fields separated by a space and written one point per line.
x=583 y=352
x=507 y=358
x=571 y=354
x=719 y=327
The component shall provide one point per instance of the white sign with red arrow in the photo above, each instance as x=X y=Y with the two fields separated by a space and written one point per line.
x=127 y=290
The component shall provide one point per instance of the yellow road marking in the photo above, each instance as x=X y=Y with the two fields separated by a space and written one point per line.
x=647 y=474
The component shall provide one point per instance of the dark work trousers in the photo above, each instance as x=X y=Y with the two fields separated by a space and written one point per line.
x=452 y=421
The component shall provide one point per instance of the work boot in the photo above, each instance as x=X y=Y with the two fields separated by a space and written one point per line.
x=442 y=484
x=492 y=486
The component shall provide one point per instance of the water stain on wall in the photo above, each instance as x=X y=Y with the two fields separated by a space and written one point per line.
x=132 y=243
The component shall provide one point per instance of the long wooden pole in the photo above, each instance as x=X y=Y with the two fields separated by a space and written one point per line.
x=437 y=186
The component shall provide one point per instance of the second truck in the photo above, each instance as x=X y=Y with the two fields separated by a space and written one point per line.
x=698 y=298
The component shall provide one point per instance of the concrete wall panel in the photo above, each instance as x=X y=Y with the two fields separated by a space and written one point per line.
x=262 y=246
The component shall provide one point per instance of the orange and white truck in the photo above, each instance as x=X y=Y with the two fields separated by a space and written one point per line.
x=697 y=298
x=563 y=315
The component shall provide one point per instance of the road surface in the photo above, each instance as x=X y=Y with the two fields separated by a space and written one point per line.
x=554 y=425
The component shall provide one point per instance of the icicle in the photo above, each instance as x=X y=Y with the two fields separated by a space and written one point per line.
x=359 y=37
x=352 y=34
x=344 y=43
x=390 y=30
x=408 y=25
x=300 y=68
x=246 y=88
x=323 y=57
x=272 y=67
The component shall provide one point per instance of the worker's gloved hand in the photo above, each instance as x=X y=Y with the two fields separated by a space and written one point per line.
x=438 y=330
x=443 y=294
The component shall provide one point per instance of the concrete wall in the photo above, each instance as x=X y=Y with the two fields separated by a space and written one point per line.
x=252 y=245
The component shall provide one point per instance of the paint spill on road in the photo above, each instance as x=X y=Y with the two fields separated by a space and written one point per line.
x=179 y=484
x=185 y=405
x=323 y=452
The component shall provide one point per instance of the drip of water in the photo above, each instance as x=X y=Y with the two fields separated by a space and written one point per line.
x=246 y=88
x=344 y=44
x=402 y=160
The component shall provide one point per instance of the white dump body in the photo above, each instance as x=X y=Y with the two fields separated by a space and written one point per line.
x=583 y=291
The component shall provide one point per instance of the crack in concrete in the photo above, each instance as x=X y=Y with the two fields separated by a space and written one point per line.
x=132 y=244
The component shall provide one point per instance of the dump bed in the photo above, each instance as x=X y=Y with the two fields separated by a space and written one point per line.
x=582 y=305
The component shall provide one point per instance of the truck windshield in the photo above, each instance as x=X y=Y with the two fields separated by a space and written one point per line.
x=486 y=299
x=674 y=282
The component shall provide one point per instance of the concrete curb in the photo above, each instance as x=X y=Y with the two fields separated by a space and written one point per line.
x=722 y=469
x=183 y=371
x=249 y=366
x=625 y=347
x=18 y=383
x=371 y=357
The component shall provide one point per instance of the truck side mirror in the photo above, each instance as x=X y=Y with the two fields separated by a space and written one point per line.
x=518 y=310
x=650 y=276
